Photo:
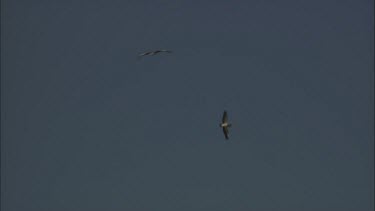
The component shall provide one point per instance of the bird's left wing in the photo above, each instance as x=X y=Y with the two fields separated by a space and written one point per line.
x=225 y=117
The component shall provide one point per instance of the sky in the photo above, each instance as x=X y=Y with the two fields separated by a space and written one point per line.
x=85 y=125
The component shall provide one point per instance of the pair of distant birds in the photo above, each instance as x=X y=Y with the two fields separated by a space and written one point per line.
x=224 y=121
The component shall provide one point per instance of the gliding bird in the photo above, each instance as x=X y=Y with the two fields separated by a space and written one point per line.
x=225 y=125
x=151 y=53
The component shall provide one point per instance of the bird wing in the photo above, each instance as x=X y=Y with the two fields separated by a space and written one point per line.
x=144 y=54
x=225 y=117
x=226 y=132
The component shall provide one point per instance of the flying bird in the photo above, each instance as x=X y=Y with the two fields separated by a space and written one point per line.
x=151 y=53
x=225 y=125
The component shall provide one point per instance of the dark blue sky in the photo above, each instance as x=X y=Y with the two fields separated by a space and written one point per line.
x=87 y=126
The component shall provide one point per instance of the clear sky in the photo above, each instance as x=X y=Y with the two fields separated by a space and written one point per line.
x=87 y=126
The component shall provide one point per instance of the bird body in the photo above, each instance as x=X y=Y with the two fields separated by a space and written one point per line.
x=226 y=124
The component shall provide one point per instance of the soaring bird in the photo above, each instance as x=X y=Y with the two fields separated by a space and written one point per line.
x=225 y=125
x=151 y=53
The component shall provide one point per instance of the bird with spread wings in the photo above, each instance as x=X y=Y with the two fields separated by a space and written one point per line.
x=151 y=53
x=225 y=124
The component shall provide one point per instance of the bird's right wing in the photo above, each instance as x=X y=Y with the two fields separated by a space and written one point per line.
x=226 y=132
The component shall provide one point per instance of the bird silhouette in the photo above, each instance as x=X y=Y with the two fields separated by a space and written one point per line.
x=225 y=124
x=152 y=53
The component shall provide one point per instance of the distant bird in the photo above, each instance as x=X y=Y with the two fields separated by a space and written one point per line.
x=225 y=125
x=151 y=53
